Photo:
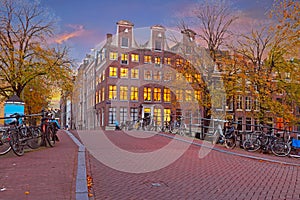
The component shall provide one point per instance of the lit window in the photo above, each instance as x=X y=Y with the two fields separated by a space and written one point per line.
x=113 y=71
x=167 y=114
x=134 y=94
x=135 y=57
x=198 y=78
x=157 y=61
x=103 y=94
x=157 y=116
x=123 y=93
x=147 y=59
x=125 y=42
x=167 y=61
x=179 y=95
x=147 y=93
x=157 y=94
x=134 y=73
x=112 y=92
x=124 y=59
x=124 y=73
x=197 y=95
x=103 y=75
x=147 y=75
x=179 y=62
x=188 y=95
x=167 y=95
x=157 y=76
x=113 y=55
x=189 y=78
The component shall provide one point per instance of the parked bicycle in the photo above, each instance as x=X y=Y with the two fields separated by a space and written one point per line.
x=4 y=141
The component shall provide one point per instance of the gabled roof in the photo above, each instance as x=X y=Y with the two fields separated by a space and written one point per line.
x=14 y=98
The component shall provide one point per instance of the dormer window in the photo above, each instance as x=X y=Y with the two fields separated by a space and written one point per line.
x=158 y=46
x=124 y=42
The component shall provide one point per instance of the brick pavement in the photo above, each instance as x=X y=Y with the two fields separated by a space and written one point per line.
x=218 y=175
x=42 y=174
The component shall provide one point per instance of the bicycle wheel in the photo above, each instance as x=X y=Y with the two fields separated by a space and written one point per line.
x=36 y=138
x=252 y=144
x=16 y=144
x=280 y=148
x=230 y=143
x=4 y=142
x=50 y=136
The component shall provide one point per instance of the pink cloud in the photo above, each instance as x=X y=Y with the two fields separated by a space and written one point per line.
x=78 y=30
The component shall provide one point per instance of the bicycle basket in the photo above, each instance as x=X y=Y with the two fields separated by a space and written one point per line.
x=295 y=143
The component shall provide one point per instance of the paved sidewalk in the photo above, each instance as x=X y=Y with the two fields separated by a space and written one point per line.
x=45 y=173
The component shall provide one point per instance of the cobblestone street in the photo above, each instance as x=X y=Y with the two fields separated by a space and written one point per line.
x=219 y=175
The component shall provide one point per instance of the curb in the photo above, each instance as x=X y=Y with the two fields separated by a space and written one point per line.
x=81 y=182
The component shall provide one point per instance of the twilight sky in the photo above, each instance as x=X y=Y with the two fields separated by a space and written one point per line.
x=84 y=23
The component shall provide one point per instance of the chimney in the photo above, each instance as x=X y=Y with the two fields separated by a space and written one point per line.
x=108 y=37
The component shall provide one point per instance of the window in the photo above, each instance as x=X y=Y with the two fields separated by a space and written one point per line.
x=248 y=103
x=167 y=76
x=113 y=71
x=135 y=57
x=248 y=124
x=157 y=61
x=188 y=95
x=124 y=59
x=167 y=114
x=189 y=78
x=158 y=45
x=239 y=102
x=157 y=76
x=157 y=94
x=179 y=95
x=123 y=114
x=240 y=124
x=197 y=78
x=103 y=94
x=197 y=95
x=147 y=59
x=124 y=73
x=188 y=49
x=112 y=115
x=147 y=75
x=157 y=116
x=125 y=42
x=178 y=76
x=256 y=104
x=113 y=56
x=112 y=92
x=167 y=95
x=147 y=93
x=134 y=93
x=134 y=114
x=123 y=93
x=179 y=62
x=167 y=61
x=103 y=75
x=134 y=73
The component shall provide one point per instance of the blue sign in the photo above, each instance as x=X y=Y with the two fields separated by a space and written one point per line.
x=11 y=108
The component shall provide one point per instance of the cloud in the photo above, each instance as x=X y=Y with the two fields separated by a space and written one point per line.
x=78 y=30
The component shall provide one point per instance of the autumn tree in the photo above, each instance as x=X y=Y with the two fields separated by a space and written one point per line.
x=26 y=53
x=211 y=21
x=268 y=72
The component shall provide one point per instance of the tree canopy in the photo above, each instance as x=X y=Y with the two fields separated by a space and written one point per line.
x=28 y=58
